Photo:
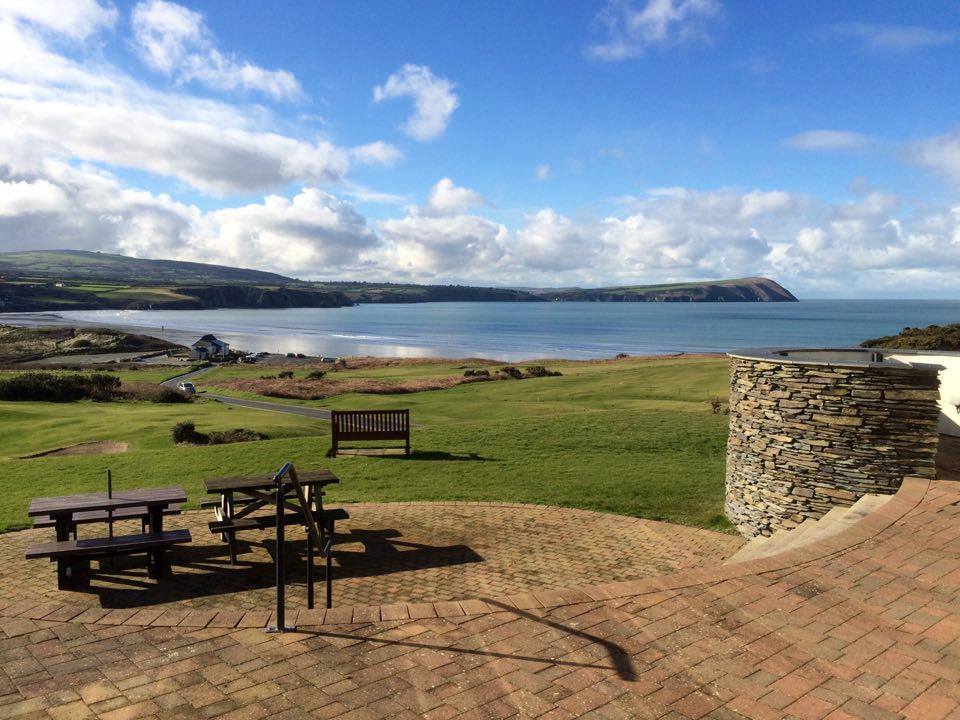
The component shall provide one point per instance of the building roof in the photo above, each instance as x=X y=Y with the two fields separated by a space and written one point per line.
x=210 y=339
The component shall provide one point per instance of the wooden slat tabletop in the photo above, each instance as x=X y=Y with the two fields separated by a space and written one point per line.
x=265 y=482
x=68 y=504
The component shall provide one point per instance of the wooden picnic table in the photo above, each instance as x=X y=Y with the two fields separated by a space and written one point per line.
x=287 y=490
x=64 y=509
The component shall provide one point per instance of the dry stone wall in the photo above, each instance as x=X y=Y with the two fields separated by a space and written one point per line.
x=805 y=437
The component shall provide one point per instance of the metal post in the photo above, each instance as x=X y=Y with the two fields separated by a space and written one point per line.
x=309 y=570
x=279 y=559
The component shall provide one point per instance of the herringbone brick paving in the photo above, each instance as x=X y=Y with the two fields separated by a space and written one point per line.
x=387 y=553
x=866 y=626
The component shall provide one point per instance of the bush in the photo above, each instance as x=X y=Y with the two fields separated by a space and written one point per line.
x=234 y=436
x=476 y=373
x=186 y=432
x=169 y=395
x=716 y=404
x=510 y=371
x=59 y=387
x=268 y=377
x=285 y=375
x=316 y=375
x=540 y=371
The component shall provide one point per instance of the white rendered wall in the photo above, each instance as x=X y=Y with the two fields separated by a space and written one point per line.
x=949 y=386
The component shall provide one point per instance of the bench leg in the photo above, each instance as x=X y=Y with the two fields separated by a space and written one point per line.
x=157 y=565
x=73 y=573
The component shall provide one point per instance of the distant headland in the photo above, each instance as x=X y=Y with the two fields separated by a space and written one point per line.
x=49 y=280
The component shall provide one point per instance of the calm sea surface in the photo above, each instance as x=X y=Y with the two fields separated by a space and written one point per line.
x=515 y=331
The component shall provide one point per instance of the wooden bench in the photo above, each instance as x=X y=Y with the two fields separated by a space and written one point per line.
x=102 y=516
x=350 y=425
x=71 y=550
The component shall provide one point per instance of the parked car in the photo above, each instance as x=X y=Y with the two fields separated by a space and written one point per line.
x=187 y=387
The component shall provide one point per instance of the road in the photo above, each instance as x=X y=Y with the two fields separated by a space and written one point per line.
x=317 y=413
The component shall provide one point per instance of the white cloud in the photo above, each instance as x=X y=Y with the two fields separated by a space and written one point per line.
x=829 y=140
x=29 y=197
x=448 y=199
x=376 y=153
x=542 y=172
x=176 y=41
x=940 y=154
x=900 y=38
x=312 y=234
x=444 y=246
x=631 y=30
x=433 y=100
x=54 y=107
x=549 y=241
x=76 y=19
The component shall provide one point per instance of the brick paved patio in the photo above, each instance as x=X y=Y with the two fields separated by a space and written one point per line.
x=863 y=625
x=386 y=553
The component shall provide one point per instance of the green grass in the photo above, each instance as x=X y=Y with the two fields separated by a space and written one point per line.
x=632 y=437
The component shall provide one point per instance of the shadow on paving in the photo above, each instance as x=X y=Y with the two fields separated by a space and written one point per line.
x=205 y=570
x=620 y=661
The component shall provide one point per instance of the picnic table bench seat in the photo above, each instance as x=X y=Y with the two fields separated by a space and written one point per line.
x=79 y=552
x=262 y=522
x=102 y=516
x=117 y=545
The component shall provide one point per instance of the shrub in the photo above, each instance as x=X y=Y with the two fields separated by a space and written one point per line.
x=234 y=436
x=285 y=375
x=316 y=375
x=169 y=395
x=268 y=377
x=540 y=371
x=716 y=404
x=59 y=387
x=510 y=371
x=186 y=432
x=476 y=373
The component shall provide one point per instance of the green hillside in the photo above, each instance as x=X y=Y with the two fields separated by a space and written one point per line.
x=81 y=264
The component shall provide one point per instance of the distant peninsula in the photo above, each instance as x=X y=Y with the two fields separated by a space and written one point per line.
x=51 y=280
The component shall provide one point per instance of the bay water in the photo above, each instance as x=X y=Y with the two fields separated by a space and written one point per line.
x=518 y=331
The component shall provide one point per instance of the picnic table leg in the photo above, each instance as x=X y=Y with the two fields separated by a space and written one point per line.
x=67 y=568
x=230 y=537
x=156 y=558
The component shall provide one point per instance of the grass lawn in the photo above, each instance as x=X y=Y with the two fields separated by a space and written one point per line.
x=636 y=437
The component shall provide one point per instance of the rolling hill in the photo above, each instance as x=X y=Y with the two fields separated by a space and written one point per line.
x=84 y=265
x=80 y=280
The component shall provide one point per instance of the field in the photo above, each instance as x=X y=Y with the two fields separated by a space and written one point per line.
x=636 y=437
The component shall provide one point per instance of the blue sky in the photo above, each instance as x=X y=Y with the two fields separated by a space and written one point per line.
x=527 y=143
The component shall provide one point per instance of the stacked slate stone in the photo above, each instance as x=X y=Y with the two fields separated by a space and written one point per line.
x=808 y=437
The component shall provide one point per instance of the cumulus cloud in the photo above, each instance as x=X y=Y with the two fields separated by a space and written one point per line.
x=829 y=140
x=448 y=199
x=632 y=29
x=549 y=241
x=54 y=107
x=940 y=154
x=899 y=38
x=75 y=19
x=433 y=100
x=175 y=40
x=317 y=233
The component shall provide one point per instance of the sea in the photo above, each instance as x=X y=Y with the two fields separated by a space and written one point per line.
x=524 y=331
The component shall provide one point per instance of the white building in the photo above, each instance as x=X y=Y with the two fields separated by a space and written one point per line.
x=209 y=347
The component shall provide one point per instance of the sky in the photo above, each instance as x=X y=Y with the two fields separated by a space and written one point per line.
x=513 y=144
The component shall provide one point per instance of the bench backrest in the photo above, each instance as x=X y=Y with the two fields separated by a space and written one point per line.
x=370 y=424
